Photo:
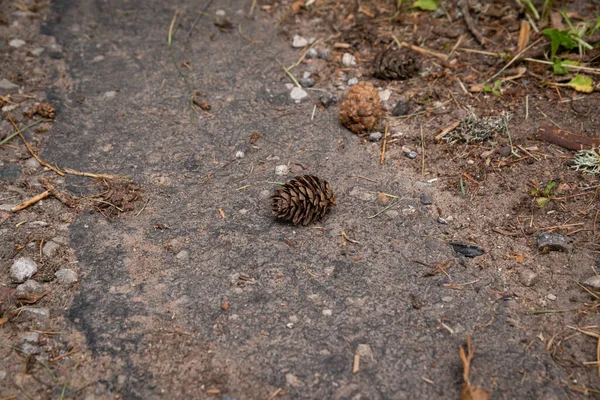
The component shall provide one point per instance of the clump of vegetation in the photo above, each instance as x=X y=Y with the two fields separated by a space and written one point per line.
x=587 y=161
x=542 y=195
x=474 y=129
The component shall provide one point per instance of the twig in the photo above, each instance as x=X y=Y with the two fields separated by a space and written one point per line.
x=44 y=163
x=393 y=203
x=252 y=7
x=470 y=23
x=423 y=153
x=384 y=145
x=289 y=73
x=421 y=50
x=246 y=37
x=31 y=201
x=514 y=59
x=64 y=198
x=91 y=175
x=356 y=364
x=143 y=208
x=279 y=390
x=75 y=350
x=39 y=121
x=303 y=55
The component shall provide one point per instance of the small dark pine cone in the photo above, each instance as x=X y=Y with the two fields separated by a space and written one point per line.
x=304 y=199
x=396 y=65
x=361 y=109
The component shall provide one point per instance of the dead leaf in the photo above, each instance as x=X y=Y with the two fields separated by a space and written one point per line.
x=297 y=7
x=3 y=321
x=32 y=298
x=290 y=243
x=524 y=35
x=519 y=258
x=222 y=213
x=254 y=137
x=469 y=391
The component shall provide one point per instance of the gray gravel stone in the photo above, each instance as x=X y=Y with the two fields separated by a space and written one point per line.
x=593 y=282
x=39 y=316
x=32 y=163
x=552 y=242
x=65 y=276
x=307 y=82
x=28 y=289
x=182 y=255
x=375 y=136
x=50 y=249
x=5 y=84
x=31 y=337
x=527 y=277
x=29 y=348
x=352 y=81
x=299 y=42
x=312 y=53
x=22 y=269
x=282 y=170
x=551 y=297
x=400 y=109
x=327 y=99
x=412 y=155
x=324 y=54
x=425 y=199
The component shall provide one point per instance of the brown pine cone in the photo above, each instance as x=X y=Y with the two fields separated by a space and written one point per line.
x=400 y=64
x=361 y=110
x=46 y=110
x=304 y=199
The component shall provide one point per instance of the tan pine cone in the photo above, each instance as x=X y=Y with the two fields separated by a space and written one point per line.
x=46 y=110
x=399 y=64
x=361 y=109
x=304 y=199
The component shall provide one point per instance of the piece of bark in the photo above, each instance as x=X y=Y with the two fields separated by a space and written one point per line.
x=566 y=139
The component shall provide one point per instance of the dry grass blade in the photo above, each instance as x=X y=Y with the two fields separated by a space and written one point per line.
x=470 y=392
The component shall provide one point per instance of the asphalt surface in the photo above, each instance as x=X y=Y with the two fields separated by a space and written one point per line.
x=153 y=284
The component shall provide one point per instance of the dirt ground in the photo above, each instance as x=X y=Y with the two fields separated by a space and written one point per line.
x=187 y=287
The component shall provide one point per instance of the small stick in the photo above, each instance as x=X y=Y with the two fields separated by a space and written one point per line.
x=6 y=139
x=384 y=145
x=423 y=153
x=289 y=73
x=242 y=34
x=458 y=42
x=64 y=198
x=526 y=106
x=513 y=59
x=447 y=130
x=421 y=50
x=356 y=364
x=44 y=163
x=75 y=350
x=279 y=390
x=393 y=203
x=91 y=175
x=470 y=23
x=31 y=201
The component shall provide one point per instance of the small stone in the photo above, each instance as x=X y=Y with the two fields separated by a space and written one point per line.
x=348 y=60
x=467 y=250
x=412 y=155
x=239 y=154
x=225 y=306
x=447 y=299
x=243 y=211
x=22 y=269
x=98 y=58
x=299 y=42
x=292 y=380
x=289 y=86
x=392 y=213
x=5 y=84
x=307 y=82
x=39 y=316
x=110 y=95
x=282 y=170
x=37 y=224
x=37 y=51
x=504 y=151
x=324 y=54
x=552 y=242
x=400 y=109
x=328 y=99
x=182 y=255
x=29 y=289
x=10 y=173
x=298 y=94
x=384 y=95
x=65 y=276
x=551 y=297
x=375 y=136
x=32 y=163
x=352 y=82
x=327 y=313
x=220 y=13
x=29 y=348
x=50 y=249
x=16 y=43
x=312 y=53
x=31 y=337
x=592 y=283
x=362 y=194
x=7 y=207
x=425 y=199
x=527 y=277
x=487 y=154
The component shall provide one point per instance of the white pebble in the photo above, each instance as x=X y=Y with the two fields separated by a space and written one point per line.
x=551 y=297
x=220 y=13
x=352 y=82
x=298 y=94
x=239 y=154
x=327 y=313
x=16 y=43
x=384 y=95
x=282 y=170
x=299 y=42
x=348 y=60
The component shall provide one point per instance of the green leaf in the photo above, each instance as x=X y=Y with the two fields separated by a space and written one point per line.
x=549 y=187
x=596 y=27
x=542 y=201
x=427 y=5
x=487 y=89
x=582 y=83
x=558 y=67
x=559 y=38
